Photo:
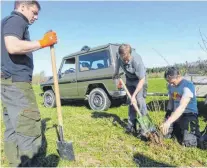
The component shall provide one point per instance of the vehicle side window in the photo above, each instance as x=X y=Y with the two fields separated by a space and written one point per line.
x=99 y=64
x=94 y=61
x=68 y=66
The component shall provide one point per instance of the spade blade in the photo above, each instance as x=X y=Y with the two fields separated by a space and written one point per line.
x=65 y=150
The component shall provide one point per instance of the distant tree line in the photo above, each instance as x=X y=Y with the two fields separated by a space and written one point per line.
x=198 y=67
x=39 y=78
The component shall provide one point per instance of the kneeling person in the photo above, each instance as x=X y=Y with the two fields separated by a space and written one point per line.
x=182 y=115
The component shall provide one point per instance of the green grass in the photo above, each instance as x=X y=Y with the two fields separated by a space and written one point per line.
x=157 y=85
x=99 y=138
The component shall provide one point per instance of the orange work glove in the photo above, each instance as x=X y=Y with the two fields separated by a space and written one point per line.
x=49 y=39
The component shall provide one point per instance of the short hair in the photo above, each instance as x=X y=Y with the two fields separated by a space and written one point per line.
x=28 y=3
x=171 y=72
x=125 y=48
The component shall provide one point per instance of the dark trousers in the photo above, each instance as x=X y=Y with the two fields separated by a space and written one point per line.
x=140 y=97
x=186 y=129
x=22 y=137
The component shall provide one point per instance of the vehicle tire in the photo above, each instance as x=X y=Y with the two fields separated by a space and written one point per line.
x=49 y=99
x=99 y=100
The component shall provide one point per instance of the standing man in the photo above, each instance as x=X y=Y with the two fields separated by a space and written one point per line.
x=22 y=137
x=135 y=82
x=182 y=114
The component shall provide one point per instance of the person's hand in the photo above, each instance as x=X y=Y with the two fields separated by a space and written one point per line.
x=165 y=127
x=50 y=38
x=133 y=100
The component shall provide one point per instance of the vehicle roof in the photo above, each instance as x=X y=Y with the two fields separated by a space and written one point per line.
x=91 y=49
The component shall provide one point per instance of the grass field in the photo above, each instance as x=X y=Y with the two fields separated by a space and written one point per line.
x=99 y=138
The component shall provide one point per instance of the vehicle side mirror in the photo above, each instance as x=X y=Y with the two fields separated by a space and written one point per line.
x=59 y=74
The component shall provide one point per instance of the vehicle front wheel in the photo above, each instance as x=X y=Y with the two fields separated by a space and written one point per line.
x=49 y=99
x=99 y=100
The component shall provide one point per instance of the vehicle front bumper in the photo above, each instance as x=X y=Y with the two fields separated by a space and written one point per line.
x=117 y=94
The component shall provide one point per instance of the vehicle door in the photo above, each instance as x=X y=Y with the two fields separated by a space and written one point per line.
x=68 y=78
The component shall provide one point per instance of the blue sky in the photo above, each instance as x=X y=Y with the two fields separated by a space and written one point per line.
x=172 y=28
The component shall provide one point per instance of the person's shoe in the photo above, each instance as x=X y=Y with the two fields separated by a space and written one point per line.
x=202 y=141
x=139 y=133
x=131 y=128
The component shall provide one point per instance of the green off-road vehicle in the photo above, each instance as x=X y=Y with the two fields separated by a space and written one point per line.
x=87 y=75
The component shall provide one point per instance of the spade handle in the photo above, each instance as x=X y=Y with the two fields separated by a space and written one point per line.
x=56 y=86
x=129 y=95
